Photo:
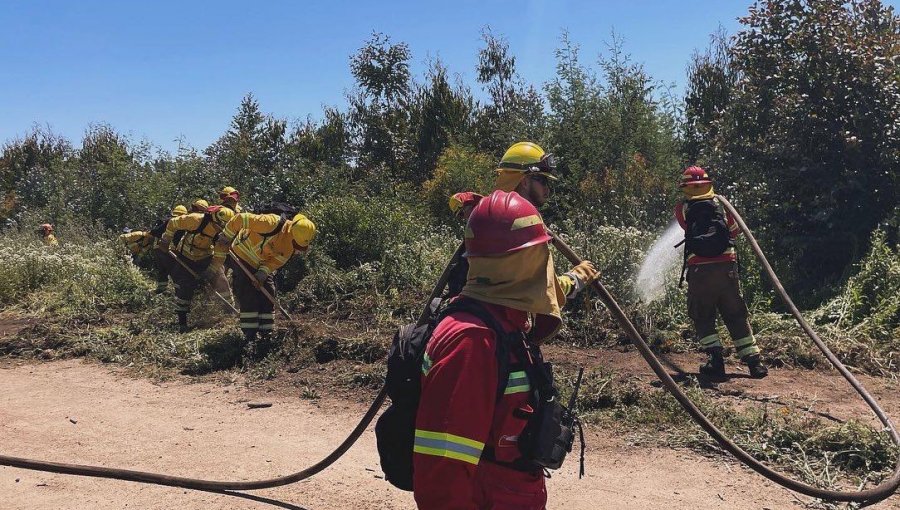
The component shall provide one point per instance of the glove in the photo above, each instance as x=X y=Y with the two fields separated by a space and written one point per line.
x=163 y=245
x=461 y=204
x=261 y=277
x=583 y=275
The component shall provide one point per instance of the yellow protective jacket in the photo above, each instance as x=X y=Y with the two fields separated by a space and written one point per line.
x=50 y=240
x=138 y=241
x=263 y=241
x=196 y=244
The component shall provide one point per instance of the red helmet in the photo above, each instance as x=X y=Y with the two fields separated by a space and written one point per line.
x=46 y=228
x=694 y=175
x=502 y=223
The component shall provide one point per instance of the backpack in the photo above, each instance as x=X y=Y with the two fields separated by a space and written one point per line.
x=395 y=429
x=706 y=231
x=285 y=211
x=546 y=438
x=159 y=228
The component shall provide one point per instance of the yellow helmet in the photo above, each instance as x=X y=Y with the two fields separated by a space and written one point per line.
x=521 y=159
x=302 y=230
x=229 y=193
x=199 y=205
x=528 y=157
x=178 y=210
x=221 y=215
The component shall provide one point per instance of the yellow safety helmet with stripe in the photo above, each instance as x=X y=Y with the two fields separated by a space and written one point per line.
x=178 y=210
x=521 y=159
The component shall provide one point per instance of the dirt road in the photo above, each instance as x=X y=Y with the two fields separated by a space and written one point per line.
x=75 y=411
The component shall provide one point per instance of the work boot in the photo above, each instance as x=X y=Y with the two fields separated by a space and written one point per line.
x=714 y=368
x=248 y=350
x=756 y=367
x=182 y=322
x=264 y=345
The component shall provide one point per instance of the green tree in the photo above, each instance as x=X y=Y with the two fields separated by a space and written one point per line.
x=615 y=141
x=515 y=111
x=442 y=115
x=809 y=140
x=379 y=113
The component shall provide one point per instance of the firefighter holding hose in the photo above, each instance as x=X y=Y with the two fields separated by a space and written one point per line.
x=710 y=265
x=529 y=171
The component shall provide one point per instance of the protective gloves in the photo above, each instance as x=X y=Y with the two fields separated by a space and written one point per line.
x=261 y=277
x=582 y=275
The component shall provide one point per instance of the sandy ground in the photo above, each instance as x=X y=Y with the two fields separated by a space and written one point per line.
x=205 y=430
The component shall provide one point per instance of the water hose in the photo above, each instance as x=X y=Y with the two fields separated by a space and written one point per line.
x=869 y=496
x=218 y=486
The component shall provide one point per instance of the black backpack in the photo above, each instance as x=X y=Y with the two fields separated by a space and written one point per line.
x=395 y=429
x=544 y=442
x=285 y=211
x=159 y=228
x=706 y=230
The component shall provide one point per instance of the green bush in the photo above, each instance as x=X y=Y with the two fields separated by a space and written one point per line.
x=354 y=231
x=870 y=301
x=458 y=169
x=72 y=278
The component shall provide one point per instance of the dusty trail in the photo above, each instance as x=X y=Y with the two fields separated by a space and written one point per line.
x=203 y=429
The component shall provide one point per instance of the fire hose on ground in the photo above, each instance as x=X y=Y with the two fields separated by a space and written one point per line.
x=868 y=496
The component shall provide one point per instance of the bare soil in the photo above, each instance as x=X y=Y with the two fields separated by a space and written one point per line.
x=77 y=411
x=84 y=412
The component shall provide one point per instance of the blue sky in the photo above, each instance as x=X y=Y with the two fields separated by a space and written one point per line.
x=160 y=70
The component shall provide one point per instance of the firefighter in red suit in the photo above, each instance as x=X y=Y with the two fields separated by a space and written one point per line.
x=466 y=453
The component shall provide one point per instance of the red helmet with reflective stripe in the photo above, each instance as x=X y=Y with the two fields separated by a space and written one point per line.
x=502 y=223
x=694 y=175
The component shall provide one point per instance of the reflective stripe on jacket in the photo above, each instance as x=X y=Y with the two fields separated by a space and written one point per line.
x=459 y=415
x=267 y=252
x=729 y=255
x=194 y=245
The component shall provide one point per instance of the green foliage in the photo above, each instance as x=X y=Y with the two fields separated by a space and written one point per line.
x=70 y=279
x=515 y=111
x=354 y=231
x=615 y=141
x=807 y=135
x=870 y=301
x=458 y=169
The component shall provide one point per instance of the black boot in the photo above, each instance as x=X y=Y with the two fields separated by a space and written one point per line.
x=264 y=345
x=182 y=322
x=757 y=369
x=249 y=348
x=714 y=368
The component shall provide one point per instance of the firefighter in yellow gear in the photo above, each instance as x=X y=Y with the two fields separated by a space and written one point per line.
x=196 y=251
x=46 y=233
x=229 y=197
x=528 y=170
x=199 y=205
x=263 y=243
x=164 y=261
x=137 y=242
